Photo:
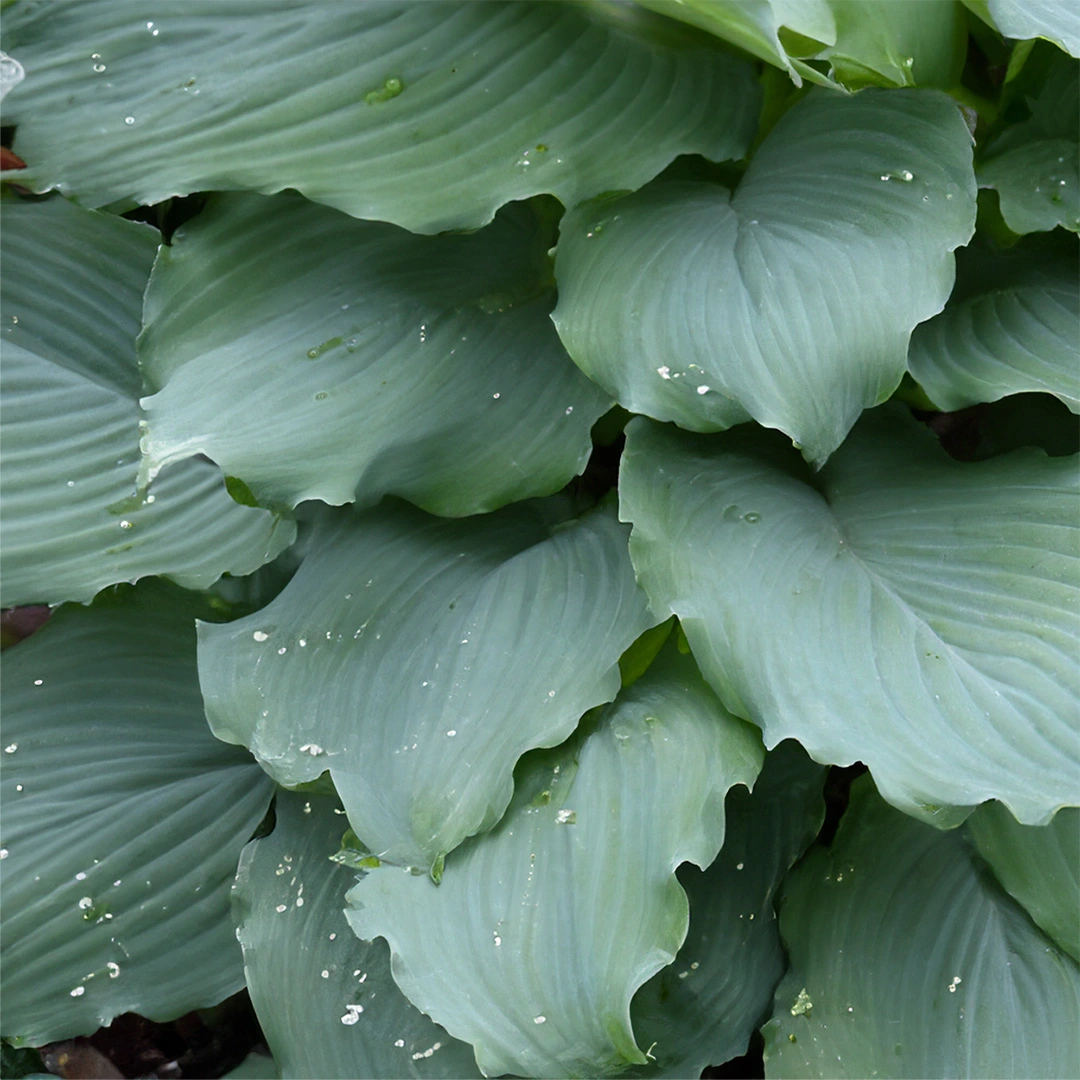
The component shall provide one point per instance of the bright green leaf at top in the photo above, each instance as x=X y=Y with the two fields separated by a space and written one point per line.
x=1038 y=865
x=1034 y=165
x=558 y=915
x=1010 y=327
x=418 y=658
x=791 y=300
x=429 y=115
x=122 y=821
x=1054 y=20
x=853 y=42
x=908 y=960
x=340 y=1013
x=317 y=357
x=906 y=610
x=72 y=521
x=702 y=1009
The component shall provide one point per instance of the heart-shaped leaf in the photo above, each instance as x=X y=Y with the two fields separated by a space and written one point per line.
x=343 y=1015
x=790 y=301
x=910 y=611
x=554 y=918
x=429 y=115
x=1009 y=328
x=123 y=820
x=417 y=659
x=425 y=367
x=908 y=960
x=73 y=521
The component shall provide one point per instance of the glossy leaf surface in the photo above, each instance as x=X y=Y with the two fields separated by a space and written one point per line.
x=1054 y=20
x=912 y=612
x=790 y=301
x=1009 y=328
x=417 y=659
x=425 y=367
x=123 y=820
x=69 y=385
x=343 y=1015
x=429 y=115
x=556 y=917
x=1038 y=865
x=908 y=960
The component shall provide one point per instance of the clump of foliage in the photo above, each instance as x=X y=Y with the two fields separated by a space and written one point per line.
x=499 y=456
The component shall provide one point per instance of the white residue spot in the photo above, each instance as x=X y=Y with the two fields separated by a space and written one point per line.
x=496 y=396
x=116 y=882
x=11 y=748
x=539 y=1019
x=303 y=643
x=683 y=974
x=399 y=1043
x=81 y=875
x=18 y=787
x=551 y=693
x=325 y=973
x=451 y=733
x=114 y=969
x=702 y=389
x=566 y=817
x=956 y=981
x=129 y=120
x=664 y=372
x=299 y=901
x=739 y=866
x=260 y=635
x=38 y=682
x=569 y=410
x=283 y=650
x=78 y=991
x=3 y=852
x=694 y=966
x=312 y=748
x=352 y=1014
x=280 y=908
x=498 y=941
x=85 y=903
x=332 y=936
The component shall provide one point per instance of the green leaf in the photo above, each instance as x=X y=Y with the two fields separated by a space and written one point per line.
x=1009 y=328
x=1038 y=866
x=554 y=918
x=908 y=960
x=1054 y=20
x=790 y=301
x=73 y=521
x=343 y=1015
x=910 y=611
x=1034 y=165
x=425 y=367
x=429 y=115
x=122 y=821
x=703 y=1008
x=864 y=42
x=417 y=659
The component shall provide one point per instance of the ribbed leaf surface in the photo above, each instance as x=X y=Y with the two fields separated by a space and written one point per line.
x=908 y=960
x=1009 y=328
x=900 y=608
x=430 y=115
x=558 y=915
x=425 y=367
x=72 y=522
x=123 y=819
x=790 y=301
x=417 y=659
x=343 y=1015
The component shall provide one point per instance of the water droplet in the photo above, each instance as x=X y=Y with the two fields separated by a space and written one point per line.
x=399 y=1042
x=85 y=903
x=569 y=410
x=739 y=866
x=129 y=120
x=260 y=635
x=280 y=908
x=114 y=969
x=352 y=1014
x=325 y=973
x=451 y=733
x=498 y=940
x=4 y=853
x=283 y=650
x=125 y=524
x=566 y=817
x=11 y=748
x=78 y=991
x=751 y=518
x=99 y=68
x=907 y=175
x=81 y=875
x=11 y=73
x=299 y=901
x=496 y=396
x=664 y=372
x=314 y=750
x=702 y=389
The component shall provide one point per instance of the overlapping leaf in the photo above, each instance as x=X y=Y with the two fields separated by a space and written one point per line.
x=903 y=609
x=1039 y=866
x=890 y=43
x=558 y=915
x=123 y=819
x=703 y=1008
x=417 y=659
x=426 y=367
x=1054 y=20
x=72 y=522
x=342 y=1014
x=429 y=115
x=1035 y=165
x=1009 y=328
x=790 y=301
x=908 y=960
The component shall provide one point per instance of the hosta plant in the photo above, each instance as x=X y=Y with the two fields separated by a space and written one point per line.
x=560 y=524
